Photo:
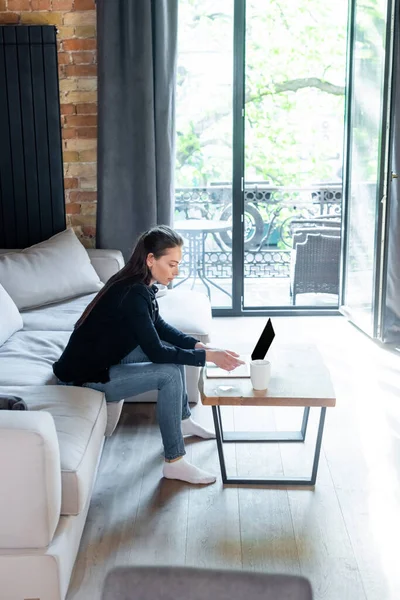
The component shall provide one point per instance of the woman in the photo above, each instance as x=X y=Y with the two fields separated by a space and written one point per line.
x=117 y=348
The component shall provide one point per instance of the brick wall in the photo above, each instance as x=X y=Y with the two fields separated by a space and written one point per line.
x=76 y=24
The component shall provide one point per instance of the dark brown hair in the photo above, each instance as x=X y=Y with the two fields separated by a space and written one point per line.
x=157 y=241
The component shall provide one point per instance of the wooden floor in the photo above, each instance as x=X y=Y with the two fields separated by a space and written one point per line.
x=344 y=535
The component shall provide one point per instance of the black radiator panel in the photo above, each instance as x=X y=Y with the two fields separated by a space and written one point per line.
x=32 y=206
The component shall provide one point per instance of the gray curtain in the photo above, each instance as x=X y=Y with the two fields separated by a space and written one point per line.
x=137 y=47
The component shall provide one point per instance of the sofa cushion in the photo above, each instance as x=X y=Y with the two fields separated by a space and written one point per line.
x=80 y=418
x=10 y=319
x=56 y=317
x=184 y=309
x=187 y=310
x=54 y=270
x=27 y=357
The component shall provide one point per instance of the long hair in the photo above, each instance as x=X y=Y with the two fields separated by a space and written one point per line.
x=157 y=241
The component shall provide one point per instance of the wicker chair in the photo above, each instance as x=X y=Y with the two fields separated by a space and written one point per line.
x=320 y=223
x=315 y=262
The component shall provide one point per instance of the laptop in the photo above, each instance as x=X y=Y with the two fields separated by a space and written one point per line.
x=259 y=352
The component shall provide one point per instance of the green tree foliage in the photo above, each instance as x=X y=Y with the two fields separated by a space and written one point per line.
x=294 y=91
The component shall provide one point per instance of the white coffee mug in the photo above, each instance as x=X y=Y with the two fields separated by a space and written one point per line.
x=260 y=374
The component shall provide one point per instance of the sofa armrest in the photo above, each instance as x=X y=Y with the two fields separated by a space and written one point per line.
x=30 y=476
x=106 y=262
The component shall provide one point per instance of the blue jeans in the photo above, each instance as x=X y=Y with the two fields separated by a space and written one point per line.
x=134 y=375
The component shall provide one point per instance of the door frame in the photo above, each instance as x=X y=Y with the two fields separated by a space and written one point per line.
x=238 y=184
x=395 y=95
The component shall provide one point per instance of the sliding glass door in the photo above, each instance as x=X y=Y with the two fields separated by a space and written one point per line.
x=260 y=122
x=366 y=181
x=295 y=73
x=261 y=93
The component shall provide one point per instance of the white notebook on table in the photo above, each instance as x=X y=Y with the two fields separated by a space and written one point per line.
x=214 y=372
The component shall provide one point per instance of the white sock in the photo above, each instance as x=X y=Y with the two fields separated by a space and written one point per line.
x=190 y=427
x=184 y=471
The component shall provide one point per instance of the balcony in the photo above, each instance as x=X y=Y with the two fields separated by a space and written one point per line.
x=272 y=216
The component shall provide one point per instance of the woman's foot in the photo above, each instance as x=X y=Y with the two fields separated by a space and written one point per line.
x=190 y=427
x=184 y=471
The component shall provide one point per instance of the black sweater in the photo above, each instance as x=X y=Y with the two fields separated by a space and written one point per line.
x=125 y=317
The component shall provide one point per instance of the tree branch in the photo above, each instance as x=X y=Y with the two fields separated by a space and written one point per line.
x=293 y=85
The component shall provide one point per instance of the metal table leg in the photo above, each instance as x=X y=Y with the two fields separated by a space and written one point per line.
x=277 y=437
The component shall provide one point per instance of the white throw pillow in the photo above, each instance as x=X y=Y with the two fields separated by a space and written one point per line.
x=10 y=319
x=54 y=270
x=162 y=290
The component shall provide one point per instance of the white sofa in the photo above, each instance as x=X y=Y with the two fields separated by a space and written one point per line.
x=49 y=455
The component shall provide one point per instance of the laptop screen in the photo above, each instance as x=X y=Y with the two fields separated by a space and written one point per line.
x=264 y=342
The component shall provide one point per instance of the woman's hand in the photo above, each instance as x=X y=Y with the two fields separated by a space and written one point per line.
x=204 y=347
x=223 y=359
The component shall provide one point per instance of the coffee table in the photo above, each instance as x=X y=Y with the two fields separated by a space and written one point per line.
x=299 y=378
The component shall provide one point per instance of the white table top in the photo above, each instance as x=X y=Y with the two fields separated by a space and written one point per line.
x=202 y=226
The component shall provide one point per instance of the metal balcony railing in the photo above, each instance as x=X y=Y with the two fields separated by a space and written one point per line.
x=268 y=211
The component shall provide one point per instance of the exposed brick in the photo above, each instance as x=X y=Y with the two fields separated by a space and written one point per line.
x=81 y=70
x=81 y=120
x=67 y=109
x=88 y=183
x=80 y=144
x=80 y=18
x=87 y=84
x=63 y=4
x=41 y=4
x=7 y=18
x=84 y=5
x=77 y=229
x=88 y=242
x=2 y=5
x=90 y=230
x=79 y=44
x=85 y=31
x=42 y=18
x=69 y=156
x=72 y=208
x=89 y=208
x=19 y=5
x=81 y=97
x=83 y=221
x=70 y=183
x=68 y=133
x=87 y=132
x=80 y=169
x=88 y=156
x=83 y=58
x=65 y=33
x=83 y=196
x=64 y=58
x=68 y=85
x=86 y=109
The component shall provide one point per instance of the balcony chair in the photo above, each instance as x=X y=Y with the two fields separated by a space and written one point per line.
x=315 y=261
